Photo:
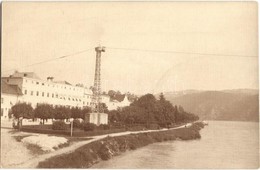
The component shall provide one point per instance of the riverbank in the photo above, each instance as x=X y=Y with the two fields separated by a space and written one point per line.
x=106 y=148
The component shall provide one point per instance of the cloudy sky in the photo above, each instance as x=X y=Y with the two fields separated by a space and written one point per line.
x=144 y=43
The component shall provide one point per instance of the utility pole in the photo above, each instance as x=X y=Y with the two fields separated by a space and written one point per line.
x=97 y=116
x=97 y=81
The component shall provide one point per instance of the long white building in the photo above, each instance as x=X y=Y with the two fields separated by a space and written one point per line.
x=31 y=89
x=28 y=87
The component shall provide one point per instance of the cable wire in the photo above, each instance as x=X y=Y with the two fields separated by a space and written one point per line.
x=45 y=61
x=179 y=52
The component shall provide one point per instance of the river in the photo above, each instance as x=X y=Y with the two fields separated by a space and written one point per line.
x=223 y=144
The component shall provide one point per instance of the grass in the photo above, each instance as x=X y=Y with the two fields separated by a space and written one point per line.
x=35 y=149
x=19 y=138
x=108 y=147
x=46 y=129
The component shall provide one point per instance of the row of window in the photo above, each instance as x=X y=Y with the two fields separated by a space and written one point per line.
x=53 y=105
x=51 y=95
x=53 y=85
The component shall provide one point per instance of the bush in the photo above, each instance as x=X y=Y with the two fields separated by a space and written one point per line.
x=117 y=125
x=77 y=124
x=154 y=126
x=104 y=127
x=89 y=126
x=59 y=125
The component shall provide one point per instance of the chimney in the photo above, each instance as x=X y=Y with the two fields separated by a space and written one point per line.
x=50 y=79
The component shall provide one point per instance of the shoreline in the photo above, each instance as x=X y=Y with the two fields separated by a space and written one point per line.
x=107 y=148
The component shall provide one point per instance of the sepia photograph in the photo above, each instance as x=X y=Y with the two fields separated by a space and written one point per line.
x=129 y=85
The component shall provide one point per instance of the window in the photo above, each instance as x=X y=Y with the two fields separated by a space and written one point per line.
x=48 y=94
x=37 y=93
x=25 y=91
x=31 y=93
x=42 y=94
x=2 y=100
x=43 y=84
x=2 y=112
x=37 y=82
x=69 y=98
x=57 y=95
x=52 y=95
x=26 y=81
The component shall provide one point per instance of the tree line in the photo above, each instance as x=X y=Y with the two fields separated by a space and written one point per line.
x=145 y=110
x=45 y=111
x=148 y=110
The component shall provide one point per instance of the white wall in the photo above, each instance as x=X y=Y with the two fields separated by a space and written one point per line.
x=7 y=101
x=43 y=91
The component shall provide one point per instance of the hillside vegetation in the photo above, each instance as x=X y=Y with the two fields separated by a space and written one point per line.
x=235 y=105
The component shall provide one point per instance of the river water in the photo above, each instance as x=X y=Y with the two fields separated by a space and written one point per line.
x=223 y=144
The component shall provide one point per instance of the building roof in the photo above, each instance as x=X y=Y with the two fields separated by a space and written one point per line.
x=10 y=89
x=62 y=82
x=25 y=74
x=87 y=91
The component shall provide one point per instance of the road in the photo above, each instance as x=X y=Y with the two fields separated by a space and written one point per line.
x=31 y=161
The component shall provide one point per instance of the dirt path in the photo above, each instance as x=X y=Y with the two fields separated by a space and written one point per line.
x=11 y=150
x=32 y=162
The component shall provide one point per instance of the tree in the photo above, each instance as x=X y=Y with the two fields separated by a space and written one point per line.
x=162 y=98
x=111 y=93
x=84 y=112
x=62 y=112
x=76 y=113
x=44 y=111
x=21 y=111
x=148 y=110
x=104 y=107
x=149 y=107
x=166 y=113
x=113 y=116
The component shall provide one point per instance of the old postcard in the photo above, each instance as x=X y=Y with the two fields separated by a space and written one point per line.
x=129 y=85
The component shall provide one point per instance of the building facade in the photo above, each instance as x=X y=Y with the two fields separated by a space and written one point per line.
x=9 y=96
x=28 y=87
x=31 y=89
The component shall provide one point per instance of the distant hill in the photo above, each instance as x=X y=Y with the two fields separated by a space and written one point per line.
x=236 y=105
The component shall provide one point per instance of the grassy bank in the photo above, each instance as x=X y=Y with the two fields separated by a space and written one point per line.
x=47 y=129
x=106 y=148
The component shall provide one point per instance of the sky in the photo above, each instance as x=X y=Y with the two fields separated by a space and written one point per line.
x=135 y=34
